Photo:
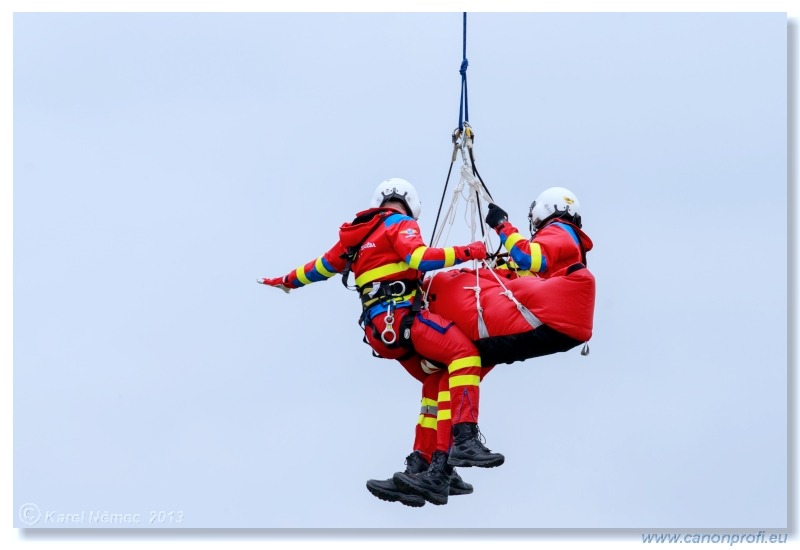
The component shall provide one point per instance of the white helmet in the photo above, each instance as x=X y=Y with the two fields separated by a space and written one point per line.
x=556 y=202
x=398 y=189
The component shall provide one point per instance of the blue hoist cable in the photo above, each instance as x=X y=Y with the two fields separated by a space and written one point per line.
x=463 y=110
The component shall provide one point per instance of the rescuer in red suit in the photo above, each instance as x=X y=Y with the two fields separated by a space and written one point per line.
x=557 y=241
x=384 y=250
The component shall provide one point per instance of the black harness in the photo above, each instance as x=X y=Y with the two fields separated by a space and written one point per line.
x=386 y=293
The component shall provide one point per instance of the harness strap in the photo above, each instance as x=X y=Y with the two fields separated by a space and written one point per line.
x=408 y=320
x=381 y=291
x=483 y=331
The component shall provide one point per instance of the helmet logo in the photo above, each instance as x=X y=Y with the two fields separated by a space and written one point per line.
x=568 y=200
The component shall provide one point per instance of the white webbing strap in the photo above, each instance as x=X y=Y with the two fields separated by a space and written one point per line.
x=483 y=331
x=524 y=311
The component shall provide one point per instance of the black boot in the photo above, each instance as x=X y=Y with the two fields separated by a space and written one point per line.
x=433 y=484
x=468 y=450
x=388 y=491
x=458 y=486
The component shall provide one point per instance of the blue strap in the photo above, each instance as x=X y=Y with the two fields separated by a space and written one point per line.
x=463 y=110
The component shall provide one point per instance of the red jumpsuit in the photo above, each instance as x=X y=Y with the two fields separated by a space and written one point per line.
x=388 y=267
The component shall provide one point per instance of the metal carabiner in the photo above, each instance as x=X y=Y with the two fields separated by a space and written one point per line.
x=389 y=336
x=402 y=290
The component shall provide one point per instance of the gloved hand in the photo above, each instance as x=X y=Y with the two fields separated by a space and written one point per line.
x=277 y=282
x=496 y=216
x=472 y=251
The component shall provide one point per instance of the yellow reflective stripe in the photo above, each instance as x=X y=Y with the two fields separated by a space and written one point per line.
x=301 y=275
x=508 y=264
x=379 y=272
x=443 y=415
x=464 y=363
x=449 y=256
x=428 y=401
x=321 y=269
x=536 y=257
x=512 y=239
x=465 y=380
x=511 y=266
x=416 y=257
x=427 y=421
x=444 y=396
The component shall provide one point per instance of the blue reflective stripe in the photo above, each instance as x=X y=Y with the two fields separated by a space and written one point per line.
x=377 y=309
x=396 y=218
x=522 y=260
x=326 y=264
x=429 y=265
x=569 y=230
x=315 y=276
x=435 y=326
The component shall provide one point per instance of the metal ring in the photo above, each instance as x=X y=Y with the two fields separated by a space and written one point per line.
x=390 y=339
x=402 y=288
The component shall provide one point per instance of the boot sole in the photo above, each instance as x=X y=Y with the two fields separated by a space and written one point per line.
x=433 y=498
x=415 y=501
x=456 y=492
x=467 y=463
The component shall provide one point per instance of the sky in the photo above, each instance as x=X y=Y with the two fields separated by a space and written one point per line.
x=164 y=161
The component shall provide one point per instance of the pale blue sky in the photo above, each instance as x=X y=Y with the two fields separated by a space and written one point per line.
x=162 y=162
